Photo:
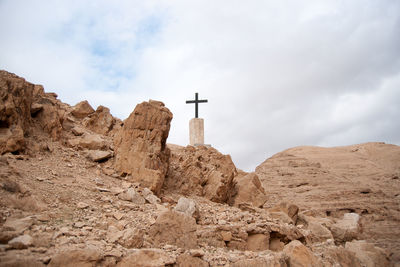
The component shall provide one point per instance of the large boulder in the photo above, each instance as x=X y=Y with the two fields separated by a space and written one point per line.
x=201 y=171
x=140 y=146
x=174 y=228
x=248 y=189
x=368 y=254
x=82 y=109
x=77 y=257
x=347 y=228
x=146 y=258
x=300 y=255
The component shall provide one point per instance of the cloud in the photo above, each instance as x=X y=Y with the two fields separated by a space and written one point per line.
x=277 y=74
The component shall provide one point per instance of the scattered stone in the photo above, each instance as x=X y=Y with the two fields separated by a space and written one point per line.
x=133 y=196
x=82 y=205
x=132 y=238
x=118 y=215
x=21 y=242
x=99 y=155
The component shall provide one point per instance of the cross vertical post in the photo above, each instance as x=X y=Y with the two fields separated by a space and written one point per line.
x=196 y=101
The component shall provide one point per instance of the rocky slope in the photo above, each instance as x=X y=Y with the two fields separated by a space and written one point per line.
x=79 y=187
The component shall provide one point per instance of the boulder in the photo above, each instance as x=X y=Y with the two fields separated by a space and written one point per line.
x=316 y=229
x=271 y=260
x=21 y=242
x=76 y=257
x=188 y=207
x=290 y=209
x=185 y=260
x=131 y=238
x=248 y=189
x=201 y=171
x=258 y=242
x=98 y=155
x=146 y=258
x=300 y=255
x=82 y=109
x=347 y=228
x=140 y=146
x=174 y=228
x=368 y=254
x=89 y=141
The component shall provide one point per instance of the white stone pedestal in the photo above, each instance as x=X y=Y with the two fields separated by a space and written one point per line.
x=196 y=131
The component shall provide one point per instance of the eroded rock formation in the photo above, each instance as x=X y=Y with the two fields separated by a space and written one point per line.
x=140 y=146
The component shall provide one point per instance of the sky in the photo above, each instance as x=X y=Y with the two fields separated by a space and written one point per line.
x=277 y=74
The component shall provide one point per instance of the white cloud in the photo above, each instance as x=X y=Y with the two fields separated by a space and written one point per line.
x=277 y=73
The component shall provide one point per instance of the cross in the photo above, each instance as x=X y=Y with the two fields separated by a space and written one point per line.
x=196 y=102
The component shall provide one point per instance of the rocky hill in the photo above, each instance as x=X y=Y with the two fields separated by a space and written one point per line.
x=79 y=187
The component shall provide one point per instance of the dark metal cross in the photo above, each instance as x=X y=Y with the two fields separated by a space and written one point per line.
x=196 y=101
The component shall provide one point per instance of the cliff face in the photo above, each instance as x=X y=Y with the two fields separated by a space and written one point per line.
x=80 y=187
x=328 y=182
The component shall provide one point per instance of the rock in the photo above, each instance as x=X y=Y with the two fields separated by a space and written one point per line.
x=185 y=260
x=188 y=207
x=150 y=197
x=258 y=242
x=146 y=258
x=132 y=195
x=248 y=189
x=300 y=255
x=368 y=254
x=271 y=260
x=77 y=257
x=16 y=97
x=82 y=109
x=338 y=256
x=347 y=228
x=21 y=242
x=101 y=121
x=82 y=205
x=89 y=141
x=281 y=216
x=226 y=236
x=317 y=229
x=98 y=155
x=20 y=261
x=78 y=131
x=201 y=171
x=174 y=228
x=131 y=238
x=290 y=209
x=118 y=215
x=19 y=225
x=140 y=146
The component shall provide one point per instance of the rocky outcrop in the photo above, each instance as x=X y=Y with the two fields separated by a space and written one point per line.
x=201 y=171
x=140 y=146
x=16 y=97
x=82 y=109
x=101 y=121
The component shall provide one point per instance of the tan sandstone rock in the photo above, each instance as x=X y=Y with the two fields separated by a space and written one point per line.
x=101 y=121
x=248 y=189
x=146 y=258
x=300 y=255
x=201 y=171
x=347 y=228
x=82 y=109
x=368 y=254
x=76 y=257
x=140 y=146
x=258 y=242
x=174 y=228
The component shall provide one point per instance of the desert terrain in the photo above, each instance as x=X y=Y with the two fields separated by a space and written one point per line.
x=79 y=187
